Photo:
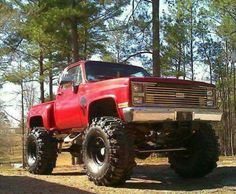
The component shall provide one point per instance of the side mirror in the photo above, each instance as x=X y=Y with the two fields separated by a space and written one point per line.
x=75 y=87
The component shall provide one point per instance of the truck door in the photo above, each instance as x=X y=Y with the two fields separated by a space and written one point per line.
x=67 y=106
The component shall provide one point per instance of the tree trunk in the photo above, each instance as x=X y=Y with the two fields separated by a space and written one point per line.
x=69 y=54
x=41 y=79
x=225 y=116
x=184 y=62
x=210 y=73
x=22 y=124
x=179 y=61
x=210 y=65
x=50 y=77
x=22 y=121
x=50 y=84
x=229 y=127
x=85 y=43
x=191 y=41
x=234 y=104
x=74 y=36
x=156 y=38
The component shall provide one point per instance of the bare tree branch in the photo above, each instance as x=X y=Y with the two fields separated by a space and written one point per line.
x=15 y=49
x=11 y=116
x=138 y=53
x=148 y=1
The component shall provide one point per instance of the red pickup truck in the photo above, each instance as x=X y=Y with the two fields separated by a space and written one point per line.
x=110 y=113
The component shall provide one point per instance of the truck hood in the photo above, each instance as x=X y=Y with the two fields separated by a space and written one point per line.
x=124 y=80
x=170 y=80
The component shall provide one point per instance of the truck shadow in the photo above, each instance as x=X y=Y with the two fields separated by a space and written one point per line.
x=68 y=173
x=24 y=184
x=161 y=177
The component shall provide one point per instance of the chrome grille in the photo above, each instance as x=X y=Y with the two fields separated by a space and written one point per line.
x=175 y=95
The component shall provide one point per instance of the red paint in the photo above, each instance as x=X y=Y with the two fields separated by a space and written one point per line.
x=71 y=110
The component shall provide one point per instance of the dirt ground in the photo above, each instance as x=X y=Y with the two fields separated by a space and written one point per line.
x=150 y=176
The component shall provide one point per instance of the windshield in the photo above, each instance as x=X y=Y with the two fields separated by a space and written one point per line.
x=96 y=71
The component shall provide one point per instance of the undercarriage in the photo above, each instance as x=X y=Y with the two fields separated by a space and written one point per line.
x=108 y=147
x=148 y=138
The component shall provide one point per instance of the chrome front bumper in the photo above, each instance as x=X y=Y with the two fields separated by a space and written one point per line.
x=155 y=114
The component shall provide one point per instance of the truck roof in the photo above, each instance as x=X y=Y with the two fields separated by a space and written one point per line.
x=149 y=79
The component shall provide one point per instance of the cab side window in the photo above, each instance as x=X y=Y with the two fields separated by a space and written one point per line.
x=71 y=76
x=77 y=77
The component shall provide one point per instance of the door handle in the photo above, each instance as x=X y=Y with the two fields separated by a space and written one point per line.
x=59 y=93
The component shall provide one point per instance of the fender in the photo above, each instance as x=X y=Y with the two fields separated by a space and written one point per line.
x=109 y=96
x=43 y=112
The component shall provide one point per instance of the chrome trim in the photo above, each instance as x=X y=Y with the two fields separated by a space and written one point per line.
x=155 y=114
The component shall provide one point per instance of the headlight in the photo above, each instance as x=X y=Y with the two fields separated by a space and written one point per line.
x=137 y=87
x=209 y=93
x=138 y=93
x=210 y=97
x=138 y=100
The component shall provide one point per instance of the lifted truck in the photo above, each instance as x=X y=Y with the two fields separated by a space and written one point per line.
x=106 y=114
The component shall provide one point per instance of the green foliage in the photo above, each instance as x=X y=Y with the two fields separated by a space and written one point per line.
x=226 y=12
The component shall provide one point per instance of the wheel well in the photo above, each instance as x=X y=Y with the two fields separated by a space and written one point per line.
x=103 y=107
x=36 y=122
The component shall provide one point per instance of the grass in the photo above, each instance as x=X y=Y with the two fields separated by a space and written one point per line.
x=10 y=148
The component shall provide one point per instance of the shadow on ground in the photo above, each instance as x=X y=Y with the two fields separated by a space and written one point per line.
x=68 y=173
x=24 y=184
x=161 y=177
x=158 y=178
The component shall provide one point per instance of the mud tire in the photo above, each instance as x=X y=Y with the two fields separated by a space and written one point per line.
x=201 y=155
x=41 y=152
x=108 y=152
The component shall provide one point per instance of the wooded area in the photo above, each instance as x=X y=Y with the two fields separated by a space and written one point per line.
x=171 y=38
